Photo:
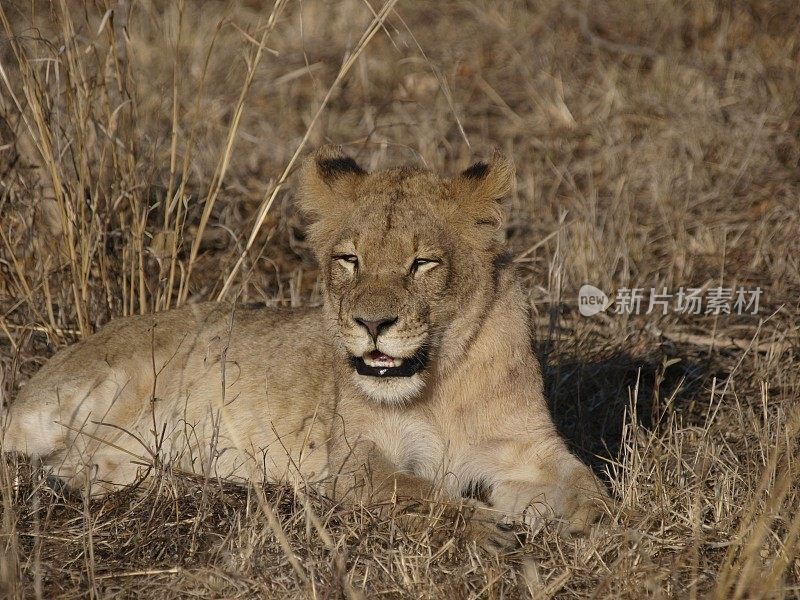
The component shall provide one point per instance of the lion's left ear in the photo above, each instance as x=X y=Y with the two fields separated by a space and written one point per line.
x=480 y=188
x=327 y=182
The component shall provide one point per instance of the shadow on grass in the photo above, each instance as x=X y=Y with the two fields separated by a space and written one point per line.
x=592 y=399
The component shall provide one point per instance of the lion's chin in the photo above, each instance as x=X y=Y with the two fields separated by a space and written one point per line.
x=389 y=379
x=390 y=390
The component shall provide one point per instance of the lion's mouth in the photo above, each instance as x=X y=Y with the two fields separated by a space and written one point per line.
x=378 y=364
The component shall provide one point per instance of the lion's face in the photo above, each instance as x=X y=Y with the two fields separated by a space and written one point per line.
x=389 y=288
x=407 y=261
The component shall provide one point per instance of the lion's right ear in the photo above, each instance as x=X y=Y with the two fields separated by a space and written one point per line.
x=327 y=182
x=480 y=188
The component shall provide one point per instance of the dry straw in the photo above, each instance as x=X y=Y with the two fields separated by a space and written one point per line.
x=145 y=148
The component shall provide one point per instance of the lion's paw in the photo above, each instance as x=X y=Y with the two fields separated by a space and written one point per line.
x=586 y=502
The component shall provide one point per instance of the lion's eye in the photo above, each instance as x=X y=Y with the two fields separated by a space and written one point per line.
x=420 y=265
x=348 y=261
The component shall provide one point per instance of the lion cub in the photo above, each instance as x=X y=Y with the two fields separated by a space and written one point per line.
x=415 y=380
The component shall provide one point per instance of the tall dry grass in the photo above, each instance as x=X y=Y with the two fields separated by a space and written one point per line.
x=146 y=152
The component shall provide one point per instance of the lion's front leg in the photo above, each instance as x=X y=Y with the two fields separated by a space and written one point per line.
x=365 y=476
x=362 y=474
x=539 y=482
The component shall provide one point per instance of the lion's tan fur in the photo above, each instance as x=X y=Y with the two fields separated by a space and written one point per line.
x=196 y=383
x=266 y=393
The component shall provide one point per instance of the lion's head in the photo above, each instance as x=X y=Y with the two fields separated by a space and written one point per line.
x=409 y=262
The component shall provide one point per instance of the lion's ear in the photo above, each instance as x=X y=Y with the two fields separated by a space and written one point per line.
x=327 y=181
x=480 y=188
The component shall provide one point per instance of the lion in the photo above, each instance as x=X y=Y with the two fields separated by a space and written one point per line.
x=416 y=379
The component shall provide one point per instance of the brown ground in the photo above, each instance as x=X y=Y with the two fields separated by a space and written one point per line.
x=657 y=144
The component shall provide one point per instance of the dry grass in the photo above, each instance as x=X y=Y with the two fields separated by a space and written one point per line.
x=142 y=153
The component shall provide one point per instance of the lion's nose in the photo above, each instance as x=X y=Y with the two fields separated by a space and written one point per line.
x=376 y=326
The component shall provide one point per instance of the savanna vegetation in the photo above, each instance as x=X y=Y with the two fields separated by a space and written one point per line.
x=147 y=152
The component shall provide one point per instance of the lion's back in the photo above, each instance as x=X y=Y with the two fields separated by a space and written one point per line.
x=217 y=370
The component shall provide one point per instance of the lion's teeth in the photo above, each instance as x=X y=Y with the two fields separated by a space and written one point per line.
x=382 y=361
